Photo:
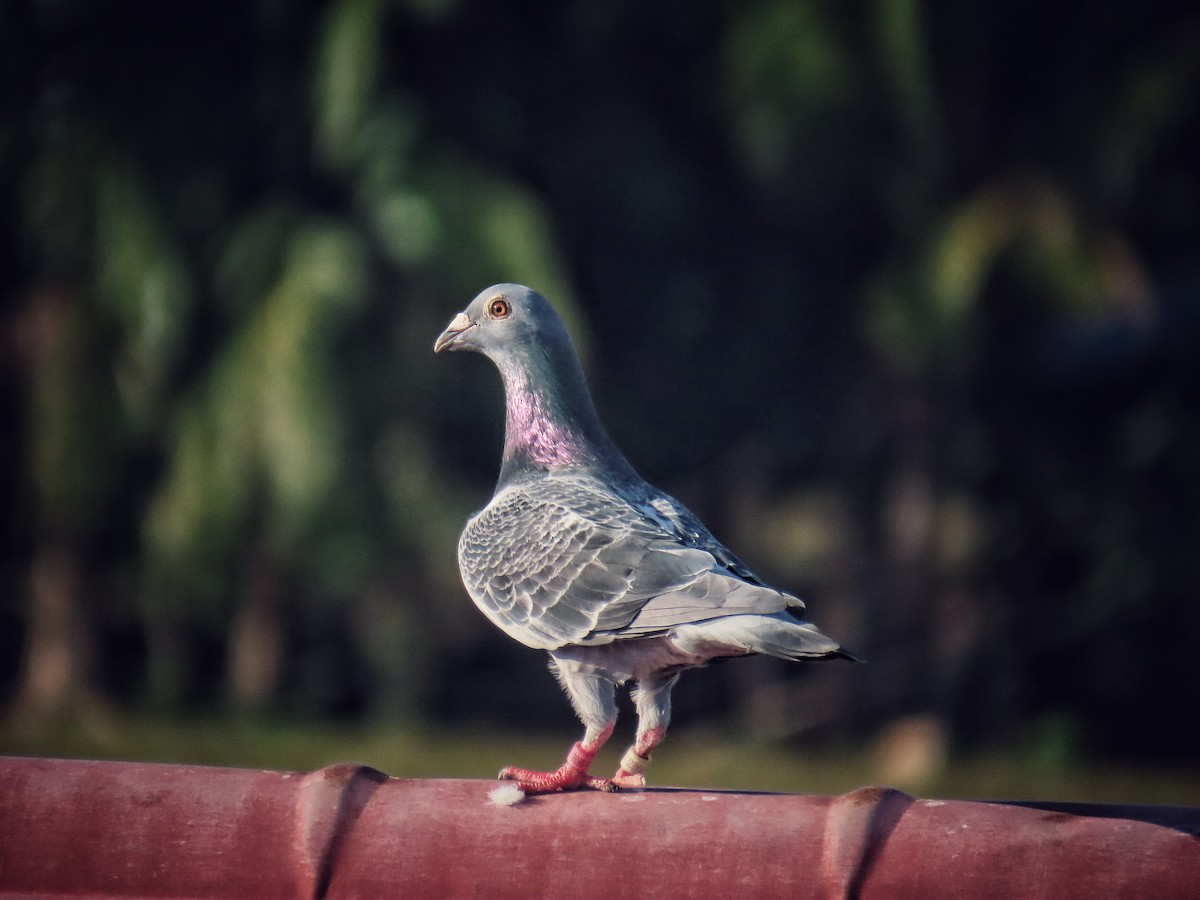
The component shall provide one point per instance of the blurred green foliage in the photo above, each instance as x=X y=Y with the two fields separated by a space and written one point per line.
x=901 y=299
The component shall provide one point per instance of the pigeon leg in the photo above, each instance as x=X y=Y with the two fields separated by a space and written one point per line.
x=594 y=700
x=653 y=701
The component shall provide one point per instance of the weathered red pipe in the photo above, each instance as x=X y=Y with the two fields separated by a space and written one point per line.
x=102 y=829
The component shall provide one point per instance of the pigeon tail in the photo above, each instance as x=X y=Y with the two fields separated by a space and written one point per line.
x=780 y=635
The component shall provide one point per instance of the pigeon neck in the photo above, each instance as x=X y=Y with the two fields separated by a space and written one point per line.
x=551 y=422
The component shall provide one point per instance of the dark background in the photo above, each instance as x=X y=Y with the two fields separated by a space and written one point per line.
x=904 y=301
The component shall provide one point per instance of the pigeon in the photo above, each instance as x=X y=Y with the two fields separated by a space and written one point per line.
x=577 y=555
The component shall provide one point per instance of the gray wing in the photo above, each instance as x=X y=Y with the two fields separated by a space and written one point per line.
x=690 y=531
x=563 y=560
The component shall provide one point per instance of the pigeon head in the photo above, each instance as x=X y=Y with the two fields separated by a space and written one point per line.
x=503 y=320
x=550 y=422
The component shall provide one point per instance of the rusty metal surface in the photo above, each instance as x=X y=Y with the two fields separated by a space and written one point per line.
x=98 y=829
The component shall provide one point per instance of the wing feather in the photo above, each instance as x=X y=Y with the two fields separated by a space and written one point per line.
x=566 y=560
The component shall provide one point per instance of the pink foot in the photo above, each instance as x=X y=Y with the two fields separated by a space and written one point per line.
x=632 y=766
x=629 y=779
x=570 y=775
x=633 y=763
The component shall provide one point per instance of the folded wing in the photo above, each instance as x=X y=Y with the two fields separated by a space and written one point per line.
x=561 y=561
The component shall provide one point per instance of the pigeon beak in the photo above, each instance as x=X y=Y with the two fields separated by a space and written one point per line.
x=458 y=326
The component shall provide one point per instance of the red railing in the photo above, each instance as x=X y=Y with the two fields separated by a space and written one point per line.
x=102 y=829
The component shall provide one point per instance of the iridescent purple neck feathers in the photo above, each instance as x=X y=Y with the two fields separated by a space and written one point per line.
x=533 y=428
x=550 y=421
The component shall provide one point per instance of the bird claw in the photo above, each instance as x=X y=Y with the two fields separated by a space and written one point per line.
x=565 y=779
x=571 y=775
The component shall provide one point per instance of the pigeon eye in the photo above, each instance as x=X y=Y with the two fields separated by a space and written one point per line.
x=498 y=308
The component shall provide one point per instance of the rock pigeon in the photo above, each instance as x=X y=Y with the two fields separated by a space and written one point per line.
x=579 y=556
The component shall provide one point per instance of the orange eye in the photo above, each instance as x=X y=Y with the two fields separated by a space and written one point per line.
x=498 y=308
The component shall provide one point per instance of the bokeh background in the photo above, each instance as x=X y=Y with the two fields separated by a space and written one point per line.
x=902 y=298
